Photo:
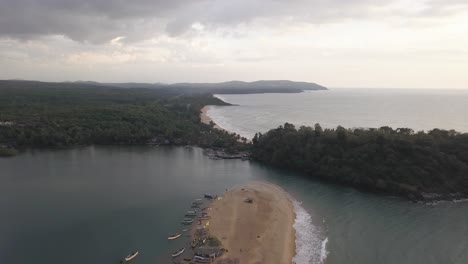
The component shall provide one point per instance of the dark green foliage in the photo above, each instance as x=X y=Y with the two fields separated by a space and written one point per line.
x=7 y=152
x=61 y=115
x=394 y=161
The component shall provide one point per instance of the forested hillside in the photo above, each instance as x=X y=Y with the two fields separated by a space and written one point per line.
x=36 y=114
x=432 y=165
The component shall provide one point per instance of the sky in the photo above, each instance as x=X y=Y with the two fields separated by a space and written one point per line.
x=336 y=43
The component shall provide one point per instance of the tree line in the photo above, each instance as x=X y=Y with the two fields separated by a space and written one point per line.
x=34 y=114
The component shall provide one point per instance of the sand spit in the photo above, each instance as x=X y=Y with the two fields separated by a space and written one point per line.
x=257 y=232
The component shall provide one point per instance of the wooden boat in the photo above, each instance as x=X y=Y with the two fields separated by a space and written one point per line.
x=197 y=201
x=131 y=256
x=178 y=252
x=174 y=236
x=201 y=259
x=209 y=196
x=187 y=221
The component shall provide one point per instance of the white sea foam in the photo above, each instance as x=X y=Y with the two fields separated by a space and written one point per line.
x=310 y=242
x=323 y=250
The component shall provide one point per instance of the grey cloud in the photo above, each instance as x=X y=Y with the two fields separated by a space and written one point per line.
x=98 y=21
x=82 y=20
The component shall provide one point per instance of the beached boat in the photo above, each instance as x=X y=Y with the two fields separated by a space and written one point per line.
x=204 y=217
x=174 y=236
x=178 y=252
x=131 y=256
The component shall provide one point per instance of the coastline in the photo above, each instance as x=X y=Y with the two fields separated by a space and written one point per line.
x=205 y=119
x=258 y=232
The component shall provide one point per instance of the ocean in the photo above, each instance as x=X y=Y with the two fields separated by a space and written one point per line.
x=97 y=204
x=419 y=109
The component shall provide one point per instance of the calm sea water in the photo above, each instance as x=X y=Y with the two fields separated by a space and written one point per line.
x=97 y=204
x=418 y=109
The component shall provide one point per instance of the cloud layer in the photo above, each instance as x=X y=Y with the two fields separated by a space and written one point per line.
x=97 y=21
x=364 y=42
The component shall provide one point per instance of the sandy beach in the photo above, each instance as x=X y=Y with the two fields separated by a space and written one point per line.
x=257 y=232
x=205 y=118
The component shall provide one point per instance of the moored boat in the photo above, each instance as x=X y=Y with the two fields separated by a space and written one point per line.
x=201 y=259
x=174 y=236
x=191 y=213
x=209 y=196
x=187 y=221
x=206 y=217
x=131 y=256
x=178 y=252
x=197 y=201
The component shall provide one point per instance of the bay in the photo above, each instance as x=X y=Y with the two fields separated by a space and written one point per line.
x=97 y=204
x=419 y=109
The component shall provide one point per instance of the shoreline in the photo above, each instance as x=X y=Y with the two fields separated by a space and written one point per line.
x=258 y=232
x=205 y=119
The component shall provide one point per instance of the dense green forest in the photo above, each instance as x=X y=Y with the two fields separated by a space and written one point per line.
x=37 y=114
x=432 y=165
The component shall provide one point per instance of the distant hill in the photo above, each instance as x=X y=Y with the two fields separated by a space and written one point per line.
x=232 y=87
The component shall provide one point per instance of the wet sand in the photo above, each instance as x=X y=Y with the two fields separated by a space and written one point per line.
x=206 y=119
x=257 y=232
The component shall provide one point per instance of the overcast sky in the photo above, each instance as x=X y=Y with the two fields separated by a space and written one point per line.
x=336 y=43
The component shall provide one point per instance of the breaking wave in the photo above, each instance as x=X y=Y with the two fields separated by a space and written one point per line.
x=323 y=250
x=310 y=241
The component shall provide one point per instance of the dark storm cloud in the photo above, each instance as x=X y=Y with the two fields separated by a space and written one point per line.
x=101 y=20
